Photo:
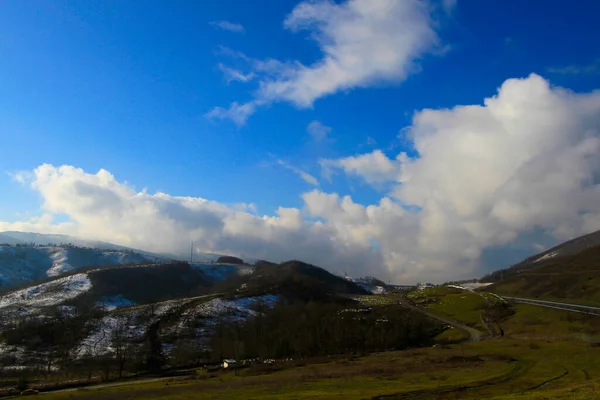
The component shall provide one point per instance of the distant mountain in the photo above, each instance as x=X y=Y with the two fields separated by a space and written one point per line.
x=570 y=271
x=7 y=239
x=41 y=239
x=21 y=263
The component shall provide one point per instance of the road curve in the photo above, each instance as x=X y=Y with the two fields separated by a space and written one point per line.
x=554 y=304
x=474 y=334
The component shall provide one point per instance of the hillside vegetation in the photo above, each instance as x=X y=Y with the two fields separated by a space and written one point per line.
x=293 y=280
x=572 y=278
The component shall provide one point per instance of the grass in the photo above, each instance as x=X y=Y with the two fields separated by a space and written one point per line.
x=378 y=299
x=571 y=279
x=546 y=323
x=537 y=359
x=460 y=305
x=504 y=369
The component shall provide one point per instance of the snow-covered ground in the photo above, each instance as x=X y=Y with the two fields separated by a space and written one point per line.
x=367 y=285
x=237 y=308
x=100 y=341
x=24 y=264
x=47 y=294
x=473 y=285
x=546 y=256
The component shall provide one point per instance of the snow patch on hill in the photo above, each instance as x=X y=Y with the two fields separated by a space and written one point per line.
x=59 y=263
x=235 y=309
x=123 y=323
x=48 y=294
x=22 y=264
x=100 y=341
x=368 y=285
x=546 y=256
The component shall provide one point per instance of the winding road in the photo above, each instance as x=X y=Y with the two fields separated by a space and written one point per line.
x=553 y=304
x=474 y=334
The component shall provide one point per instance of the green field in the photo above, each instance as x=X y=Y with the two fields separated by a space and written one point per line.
x=507 y=368
x=460 y=305
x=542 y=356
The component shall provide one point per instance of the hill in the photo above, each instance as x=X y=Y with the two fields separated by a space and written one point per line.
x=568 y=272
x=40 y=239
x=141 y=317
x=144 y=284
x=24 y=263
x=568 y=248
x=293 y=280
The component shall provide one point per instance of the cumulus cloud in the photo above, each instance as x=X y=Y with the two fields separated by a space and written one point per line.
x=372 y=167
x=363 y=42
x=526 y=161
x=101 y=207
x=318 y=131
x=228 y=26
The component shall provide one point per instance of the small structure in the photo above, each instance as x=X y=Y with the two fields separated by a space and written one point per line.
x=229 y=364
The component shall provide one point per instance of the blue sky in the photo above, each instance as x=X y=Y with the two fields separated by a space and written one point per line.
x=131 y=87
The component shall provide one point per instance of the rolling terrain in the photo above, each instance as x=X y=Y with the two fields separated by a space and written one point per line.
x=568 y=278
x=97 y=315
x=298 y=331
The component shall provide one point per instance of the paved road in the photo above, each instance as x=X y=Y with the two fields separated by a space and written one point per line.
x=474 y=334
x=553 y=304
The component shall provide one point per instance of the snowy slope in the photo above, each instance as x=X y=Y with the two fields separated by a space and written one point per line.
x=99 y=341
x=368 y=284
x=41 y=239
x=22 y=264
x=47 y=294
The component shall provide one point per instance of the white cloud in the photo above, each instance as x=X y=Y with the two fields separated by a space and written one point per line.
x=486 y=177
x=103 y=208
x=363 y=43
x=306 y=177
x=238 y=113
x=318 y=131
x=232 y=74
x=21 y=176
x=372 y=167
x=228 y=26
x=528 y=159
x=592 y=68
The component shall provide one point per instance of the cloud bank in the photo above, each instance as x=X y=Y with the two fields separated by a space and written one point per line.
x=486 y=176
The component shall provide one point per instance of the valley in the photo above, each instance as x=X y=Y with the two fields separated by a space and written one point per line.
x=164 y=328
